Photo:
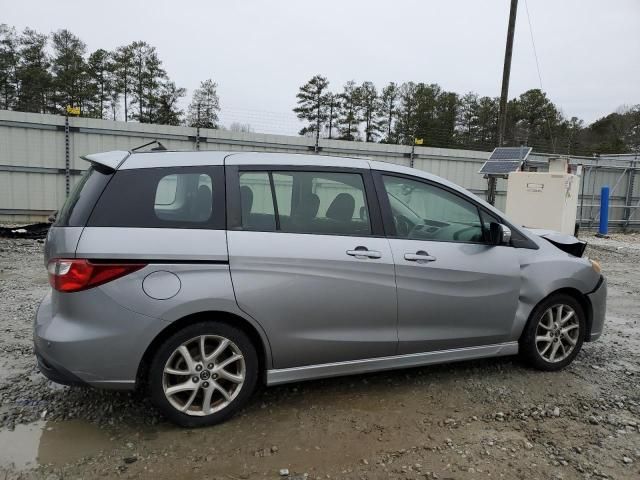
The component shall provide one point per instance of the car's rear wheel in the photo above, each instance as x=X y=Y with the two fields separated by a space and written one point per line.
x=554 y=334
x=203 y=374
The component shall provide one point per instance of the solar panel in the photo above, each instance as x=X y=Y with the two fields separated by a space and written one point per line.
x=510 y=153
x=504 y=160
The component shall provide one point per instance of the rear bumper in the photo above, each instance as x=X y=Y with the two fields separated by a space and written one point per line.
x=56 y=373
x=598 y=300
x=86 y=338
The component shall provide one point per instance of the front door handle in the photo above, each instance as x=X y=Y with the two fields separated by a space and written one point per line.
x=420 y=256
x=363 y=252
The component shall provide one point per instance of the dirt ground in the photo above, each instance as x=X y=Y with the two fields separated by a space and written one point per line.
x=481 y=419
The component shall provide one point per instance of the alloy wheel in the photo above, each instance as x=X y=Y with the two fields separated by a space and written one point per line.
x=557 y=333
x=204 y=375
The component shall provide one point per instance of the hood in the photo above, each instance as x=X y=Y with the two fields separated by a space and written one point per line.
x=566 y=243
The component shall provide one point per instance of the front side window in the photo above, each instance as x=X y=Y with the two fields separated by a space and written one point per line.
x=331 y=203
x=422 y=211
x=158 y=198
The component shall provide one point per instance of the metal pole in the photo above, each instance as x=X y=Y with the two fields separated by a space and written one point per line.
x=316 y=148
x=629 y=196
x=506 y=72
x=582 y=175
x=198 y=130
x=331 y=98
x=413 y=148
x=593 y=190
x=491 y=192
x=67 y=173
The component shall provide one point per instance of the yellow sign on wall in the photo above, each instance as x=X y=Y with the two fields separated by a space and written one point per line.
x=73 y=110
x=419 y=141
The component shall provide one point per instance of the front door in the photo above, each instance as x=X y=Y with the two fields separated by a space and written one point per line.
x=455 y=290
x=307 y=265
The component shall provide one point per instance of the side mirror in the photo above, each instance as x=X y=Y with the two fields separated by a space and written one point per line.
x=499 y=234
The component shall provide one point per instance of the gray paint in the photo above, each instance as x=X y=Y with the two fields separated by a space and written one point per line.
x=316 y=303
x=61 y=242
x=153 y=243
x=318 y=311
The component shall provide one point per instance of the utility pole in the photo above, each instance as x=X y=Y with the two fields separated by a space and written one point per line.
x=506 y=72
x=504 y=95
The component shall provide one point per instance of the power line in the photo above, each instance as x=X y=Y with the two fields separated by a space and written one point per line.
x=535 y=54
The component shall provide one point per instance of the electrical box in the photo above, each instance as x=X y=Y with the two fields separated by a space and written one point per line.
x=547 y=200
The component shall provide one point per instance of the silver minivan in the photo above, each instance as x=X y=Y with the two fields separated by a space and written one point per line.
x=199 y=275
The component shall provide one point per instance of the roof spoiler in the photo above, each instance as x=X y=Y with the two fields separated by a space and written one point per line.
x=110 y=160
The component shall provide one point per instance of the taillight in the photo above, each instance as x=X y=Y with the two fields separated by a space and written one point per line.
x=73 y=275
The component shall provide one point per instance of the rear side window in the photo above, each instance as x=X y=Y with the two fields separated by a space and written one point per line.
x=183 y=197
x=78 y=206
x=330 y=203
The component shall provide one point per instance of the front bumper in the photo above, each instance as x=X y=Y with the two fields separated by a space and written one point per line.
x=598 y=300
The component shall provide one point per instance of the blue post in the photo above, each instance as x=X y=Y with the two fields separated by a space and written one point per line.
x=604 y=211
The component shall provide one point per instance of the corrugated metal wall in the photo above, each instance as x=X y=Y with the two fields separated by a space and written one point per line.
x=32 y=159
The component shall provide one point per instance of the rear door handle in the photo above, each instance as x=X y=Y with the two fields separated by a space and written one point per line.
x=363 y=252
x=420 y=256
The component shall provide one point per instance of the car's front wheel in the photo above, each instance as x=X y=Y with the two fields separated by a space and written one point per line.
x=203 y=374
x=554 y=334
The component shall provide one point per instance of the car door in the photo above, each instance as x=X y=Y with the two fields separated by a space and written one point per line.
x=310 y=263
x=455 y=290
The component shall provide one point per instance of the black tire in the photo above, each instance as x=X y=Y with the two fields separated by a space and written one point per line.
x=528 y=348
x=170 y=345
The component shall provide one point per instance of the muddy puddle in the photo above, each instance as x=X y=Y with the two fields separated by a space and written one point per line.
x=55 y=443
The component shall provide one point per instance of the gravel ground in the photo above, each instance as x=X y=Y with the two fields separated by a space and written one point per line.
x=481 y=419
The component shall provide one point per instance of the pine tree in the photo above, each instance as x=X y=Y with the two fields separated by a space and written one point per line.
x=8 y=66
x=407 y=113
x=467 y=120
x=123 y=76
x=148 y=75
x=388 y=111
x=156 y=83
x=205 y=106
x=167 y=111
x=487 y=110
x=370 y=107
x=350 y=106
x=313 y=102
x=101 y=82
x=427 y=126
x=332 y=113
x=32 y=75
x=446 y=111
x=535 y=120
x=68 y=68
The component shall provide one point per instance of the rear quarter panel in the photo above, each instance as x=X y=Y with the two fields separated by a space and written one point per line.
x=197 y=257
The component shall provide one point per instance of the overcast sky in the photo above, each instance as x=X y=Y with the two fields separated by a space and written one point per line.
x=260 y=52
